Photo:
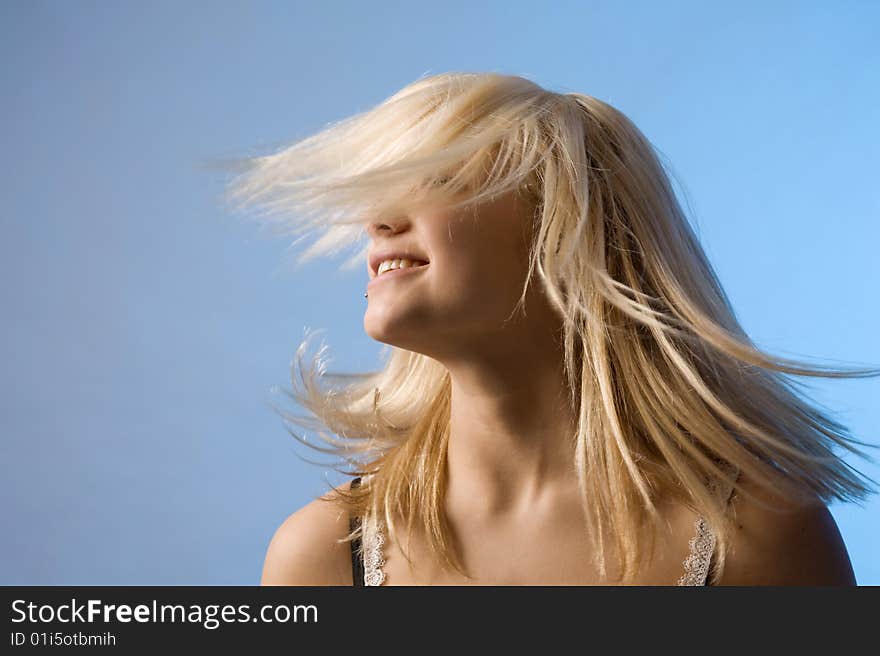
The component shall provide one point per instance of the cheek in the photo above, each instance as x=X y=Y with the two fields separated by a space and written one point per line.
x=479 y=285
x=479 y=266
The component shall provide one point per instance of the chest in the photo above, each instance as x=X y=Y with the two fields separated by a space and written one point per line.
x=532 y=551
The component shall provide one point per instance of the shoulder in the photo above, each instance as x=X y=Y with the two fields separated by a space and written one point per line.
x=305 y=549
x=780 y=542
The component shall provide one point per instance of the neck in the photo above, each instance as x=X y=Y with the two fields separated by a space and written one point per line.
x=511 y=441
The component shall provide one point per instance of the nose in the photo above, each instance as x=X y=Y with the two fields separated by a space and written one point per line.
x=386 y=227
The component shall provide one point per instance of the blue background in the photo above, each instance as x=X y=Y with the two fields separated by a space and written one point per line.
x=144 y=326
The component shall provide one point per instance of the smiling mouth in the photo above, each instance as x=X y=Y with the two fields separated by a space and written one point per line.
x=397 y=273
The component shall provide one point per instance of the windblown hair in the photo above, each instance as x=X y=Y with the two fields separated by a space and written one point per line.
x=670 y=393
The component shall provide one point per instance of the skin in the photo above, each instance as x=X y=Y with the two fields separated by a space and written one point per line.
x=510 y=423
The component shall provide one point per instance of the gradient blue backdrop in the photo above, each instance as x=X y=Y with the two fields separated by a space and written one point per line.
x=144 y=327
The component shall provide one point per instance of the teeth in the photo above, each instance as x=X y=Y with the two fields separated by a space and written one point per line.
x=388 y=265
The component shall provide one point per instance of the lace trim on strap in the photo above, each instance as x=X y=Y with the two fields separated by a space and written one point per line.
x=373 y=540
x=702 y=545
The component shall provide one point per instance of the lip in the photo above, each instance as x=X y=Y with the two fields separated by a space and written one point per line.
x=397 y=273
x=401 y=253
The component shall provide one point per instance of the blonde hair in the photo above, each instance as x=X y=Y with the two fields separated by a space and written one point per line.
x=670 y=392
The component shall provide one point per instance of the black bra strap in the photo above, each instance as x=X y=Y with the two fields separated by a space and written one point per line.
x=730 y=495
x=708 y=581
x=357 y=561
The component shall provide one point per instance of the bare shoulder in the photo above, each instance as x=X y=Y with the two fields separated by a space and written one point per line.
x=305 y=549
x=780 y=542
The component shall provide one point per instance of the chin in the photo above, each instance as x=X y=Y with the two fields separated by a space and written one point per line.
x=382 y=331
x=391 y=335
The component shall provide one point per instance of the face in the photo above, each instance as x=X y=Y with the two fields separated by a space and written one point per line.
x=477 y=265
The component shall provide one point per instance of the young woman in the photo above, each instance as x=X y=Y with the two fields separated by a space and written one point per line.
x=568 y=397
